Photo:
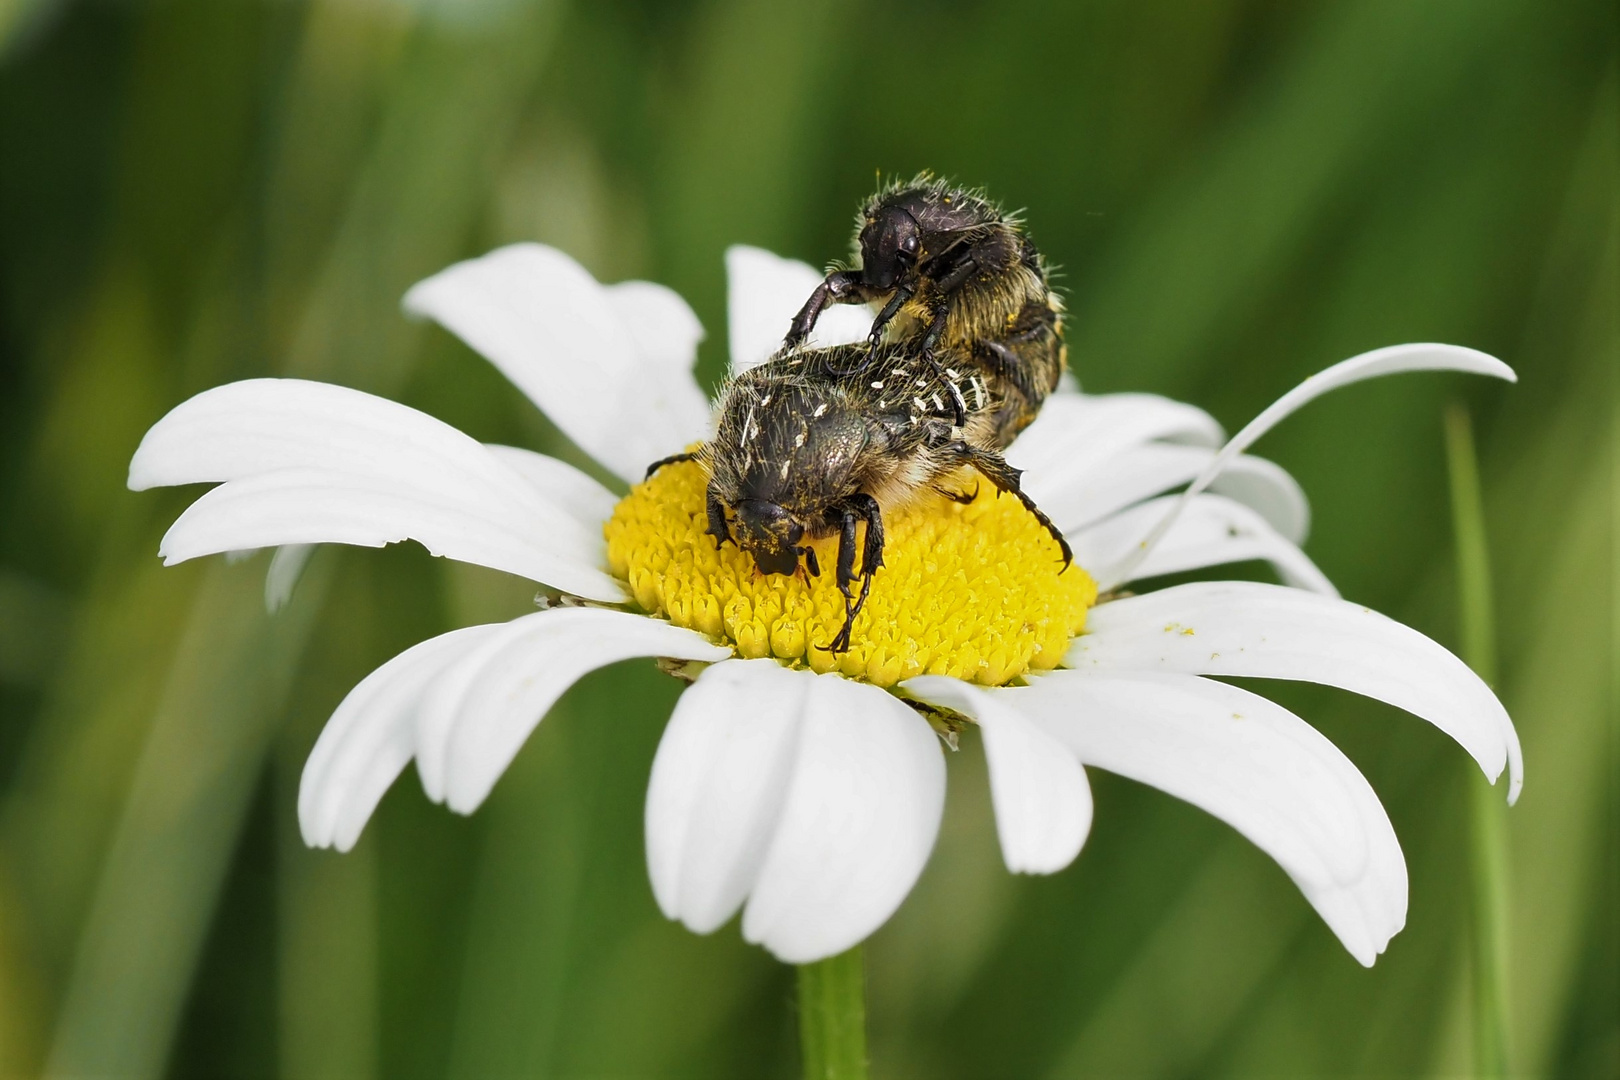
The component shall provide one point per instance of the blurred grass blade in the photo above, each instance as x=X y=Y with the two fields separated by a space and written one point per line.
x=418 y=195
x=739 y=159
x=1473 y=557
x=1162 y=1016
x=193 y=782
x=22 y=20
x=326 y=922
x=1488 y=843
x=1561 y=491
x=1313 y=128
x=33 y=622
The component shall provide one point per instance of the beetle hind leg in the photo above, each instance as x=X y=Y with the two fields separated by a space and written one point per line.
x=994 y=468
x=962 y=497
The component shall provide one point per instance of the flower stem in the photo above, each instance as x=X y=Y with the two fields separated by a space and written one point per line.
x=832 y=1017
x=1488 y=841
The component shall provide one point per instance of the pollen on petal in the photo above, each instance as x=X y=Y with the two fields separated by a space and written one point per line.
x=971 y=591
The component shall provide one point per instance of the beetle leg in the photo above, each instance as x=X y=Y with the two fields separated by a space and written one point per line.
x=673 y=459
x=957 y=277
x=717 y=519
x=844 y=575
x=936 y=328
x=872 y=550
x=852 y=511
x=839 y=287
x=902 y=296
x=962 y=497
x=994 y=468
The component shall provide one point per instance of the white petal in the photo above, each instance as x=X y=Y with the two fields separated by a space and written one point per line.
x=1213 y=530
x=330 y=438
x=1080 y=431
x=1078 y=495
x=763 y=293
x=717 y=787
x=312 y=506
x=1270 y=491
x=664 y=329
x=1255 y=766
x=1042 y=799
x=1391 y=360
x=286 y=567
x=577 y=349
x=370 y=738
x=256 y=426
x=1248 y=629
x=589 y=502
x=482 y=709
x=861 y=812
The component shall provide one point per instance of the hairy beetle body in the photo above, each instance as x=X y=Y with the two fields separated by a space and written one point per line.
x=822 y=442
x=957 y=275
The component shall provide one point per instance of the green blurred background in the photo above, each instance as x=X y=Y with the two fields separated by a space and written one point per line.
x=1239 y=192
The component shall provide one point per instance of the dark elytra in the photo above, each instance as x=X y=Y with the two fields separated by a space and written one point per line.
x=814 y=443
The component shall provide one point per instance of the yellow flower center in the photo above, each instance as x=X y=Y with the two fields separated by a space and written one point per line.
x=971 y=591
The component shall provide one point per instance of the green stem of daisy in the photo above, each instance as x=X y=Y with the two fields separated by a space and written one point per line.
x=1488 y=841
x=832 y=1017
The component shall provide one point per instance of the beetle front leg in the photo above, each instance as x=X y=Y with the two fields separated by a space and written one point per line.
x=718 y=528
x=941 y=310
x=902 y=296
x=839 y=287
x=673 y=459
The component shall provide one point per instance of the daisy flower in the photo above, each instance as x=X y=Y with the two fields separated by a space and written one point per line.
x=801 y=787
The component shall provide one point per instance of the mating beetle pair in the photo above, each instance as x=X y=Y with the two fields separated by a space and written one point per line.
x=966 y=347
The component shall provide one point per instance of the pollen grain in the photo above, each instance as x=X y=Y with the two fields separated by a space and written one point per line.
x=971 y=591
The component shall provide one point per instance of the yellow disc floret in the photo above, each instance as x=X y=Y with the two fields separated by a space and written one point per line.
x=971 y=591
